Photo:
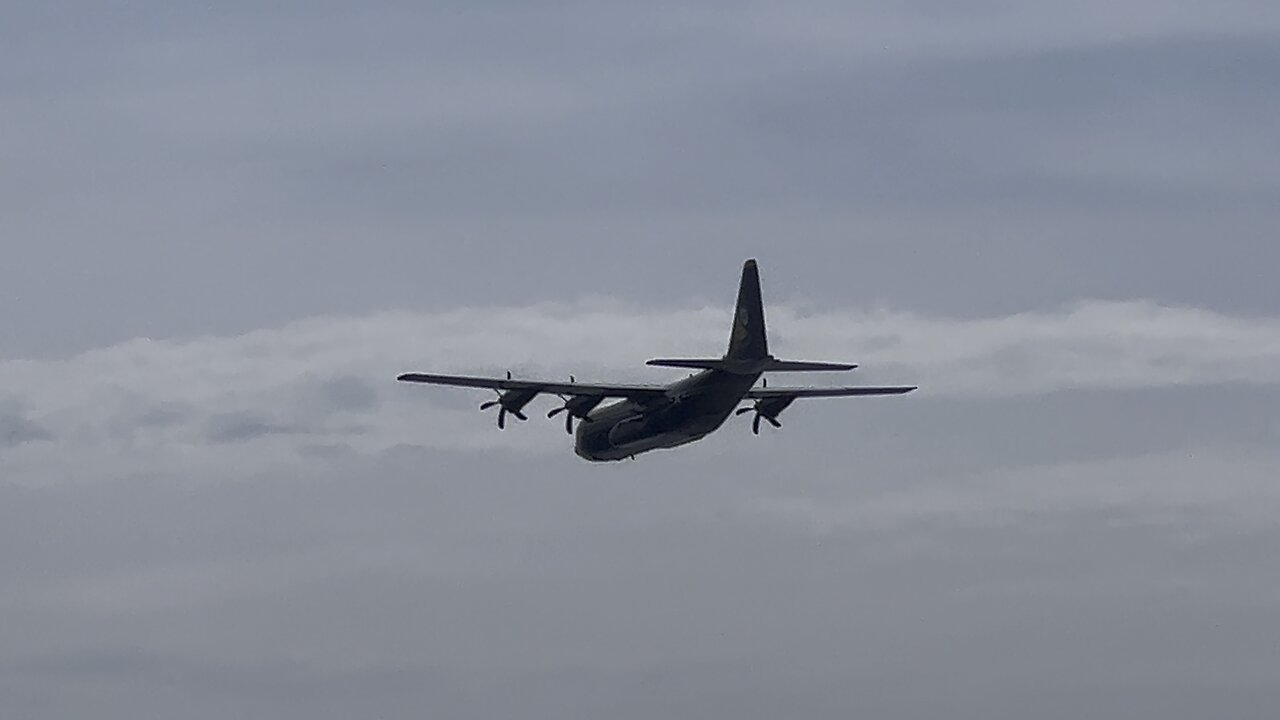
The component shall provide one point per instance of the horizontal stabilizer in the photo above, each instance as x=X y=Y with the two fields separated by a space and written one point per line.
x=777 y=392
x=694 y=363
x=806 y=366
x=750 y=366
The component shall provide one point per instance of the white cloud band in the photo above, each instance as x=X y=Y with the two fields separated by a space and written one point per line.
x=327 y=382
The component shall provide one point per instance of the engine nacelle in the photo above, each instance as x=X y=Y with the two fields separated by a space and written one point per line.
x=767 y=409
x=511 y=401
x=580 y=406
x=773 y=407
x=515 y=400
x=577 y=406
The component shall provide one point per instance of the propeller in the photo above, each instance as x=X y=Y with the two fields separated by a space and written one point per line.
x=511 y=401
x=759 y=411
x=767 y=408
x=575 y=406
x=568 y=418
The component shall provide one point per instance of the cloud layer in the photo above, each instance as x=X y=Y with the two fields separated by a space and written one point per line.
x=325 y=384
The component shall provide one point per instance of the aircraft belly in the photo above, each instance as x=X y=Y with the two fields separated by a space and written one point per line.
x=598 y=440
x=652 y=442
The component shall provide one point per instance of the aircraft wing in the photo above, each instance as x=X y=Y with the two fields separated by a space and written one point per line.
x=631 y=392
x=782 y=392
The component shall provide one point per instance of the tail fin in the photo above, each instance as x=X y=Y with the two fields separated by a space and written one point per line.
x=748 y=341
x=748 y=346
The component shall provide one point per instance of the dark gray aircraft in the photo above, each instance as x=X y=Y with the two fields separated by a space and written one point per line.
x=649 y=417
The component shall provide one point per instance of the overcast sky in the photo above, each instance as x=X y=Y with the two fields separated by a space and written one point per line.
x=224 y=229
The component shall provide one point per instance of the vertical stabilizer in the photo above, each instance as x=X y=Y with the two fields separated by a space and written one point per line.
x=748 y=347
x=748 y=341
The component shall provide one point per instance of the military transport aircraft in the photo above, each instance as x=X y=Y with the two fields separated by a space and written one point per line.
x=649 y=417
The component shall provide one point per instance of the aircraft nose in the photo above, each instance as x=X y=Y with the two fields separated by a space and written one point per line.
x=589 y=442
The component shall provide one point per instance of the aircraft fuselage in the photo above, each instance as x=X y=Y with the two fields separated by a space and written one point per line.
x=689 y=410
x=651 y=417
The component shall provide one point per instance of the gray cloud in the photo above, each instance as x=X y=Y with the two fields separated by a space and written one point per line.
x=475 y=583
x=341 y=394
x=236 y=427
x=164 y=414
x=16 y=429
x=311 y=410
x=1059 y=219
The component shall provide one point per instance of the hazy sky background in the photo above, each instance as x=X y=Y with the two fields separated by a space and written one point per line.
x=225 y=228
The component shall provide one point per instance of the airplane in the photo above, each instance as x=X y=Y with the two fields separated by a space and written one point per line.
x=652 y=417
